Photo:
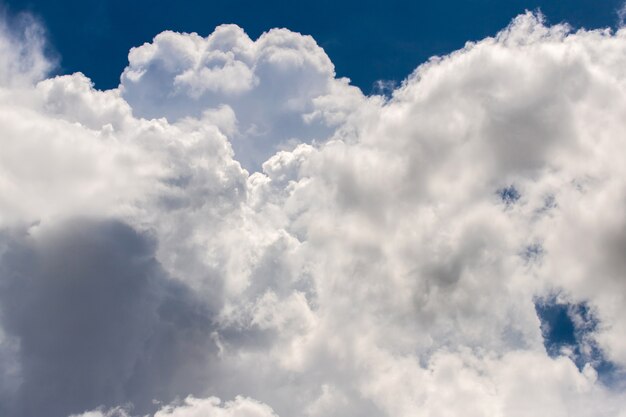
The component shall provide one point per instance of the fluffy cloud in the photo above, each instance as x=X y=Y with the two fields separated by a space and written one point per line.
x=102 y=325
x=281 y=88
x=377 y=256
x=194 y=407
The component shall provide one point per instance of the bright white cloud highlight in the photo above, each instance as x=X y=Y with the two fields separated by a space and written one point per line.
x=281 y=88
x=378 y=257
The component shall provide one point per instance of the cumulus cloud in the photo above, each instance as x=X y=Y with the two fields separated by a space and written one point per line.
x=281 y=88
x=100 y=326
x=194 y=407
x=235 y=227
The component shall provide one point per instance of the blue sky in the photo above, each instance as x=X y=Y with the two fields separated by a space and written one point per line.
x=366 y=40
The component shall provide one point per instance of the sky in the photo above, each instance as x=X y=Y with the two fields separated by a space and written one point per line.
x=214 y=211
x=367 y=40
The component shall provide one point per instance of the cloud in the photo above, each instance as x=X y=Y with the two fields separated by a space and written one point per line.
x=621 y=14
x=239 y=407
x=97 y=319
x=195 y=407
x=22 y=44
x=378 y=256
x=281 y=87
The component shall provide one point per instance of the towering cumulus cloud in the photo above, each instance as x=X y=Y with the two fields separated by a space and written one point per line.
x=235 y=232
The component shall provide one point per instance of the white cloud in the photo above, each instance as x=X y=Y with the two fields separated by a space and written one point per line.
x=372 y=267
x=282 y=86
x=114 y=412
x=239 y=407
x=621 y=14
x=22 y=44
x=196 y=407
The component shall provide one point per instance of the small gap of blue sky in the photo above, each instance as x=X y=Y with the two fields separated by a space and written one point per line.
x=367 y=40
x=569 y=329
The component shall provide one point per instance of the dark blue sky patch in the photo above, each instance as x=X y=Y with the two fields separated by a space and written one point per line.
x=384 y=88
x=367 y=40
x=533 y=252
x=556 y=325
x=568 y=329
x=509 y=195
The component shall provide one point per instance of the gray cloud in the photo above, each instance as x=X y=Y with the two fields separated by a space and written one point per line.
x=98 y=321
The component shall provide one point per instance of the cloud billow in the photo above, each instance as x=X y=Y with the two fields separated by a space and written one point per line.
x=98 y=320
x=234 y=231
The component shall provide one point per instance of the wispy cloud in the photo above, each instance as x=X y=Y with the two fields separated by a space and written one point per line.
x=621 y=14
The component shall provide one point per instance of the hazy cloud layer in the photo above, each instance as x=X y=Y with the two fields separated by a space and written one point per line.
x=234 y=232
